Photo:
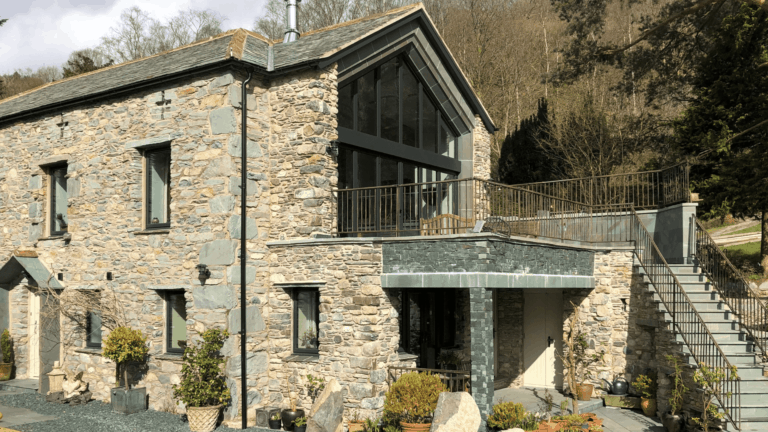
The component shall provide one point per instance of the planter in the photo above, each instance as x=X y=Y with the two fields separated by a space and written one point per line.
x=5 y=371
x=584 y=391
x=300 y=428
x=289 y=416
x=415 y=427
x=203 y=419
x=274 y=424
x=672 y=423
x=356 y=426
x=128 y=401
x=648 y=406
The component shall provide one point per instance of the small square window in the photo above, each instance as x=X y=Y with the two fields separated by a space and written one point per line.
x=306 y=310
x=158 y=194
x=58 y=203
x=175 y=322
x=93 y=338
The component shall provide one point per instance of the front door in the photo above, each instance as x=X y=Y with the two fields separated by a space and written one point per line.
x=543 y=326
x=34 y=334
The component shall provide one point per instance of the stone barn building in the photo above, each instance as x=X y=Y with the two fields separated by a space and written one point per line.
x=374 y=238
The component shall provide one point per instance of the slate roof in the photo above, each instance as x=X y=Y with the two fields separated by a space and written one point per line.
x=240 y=44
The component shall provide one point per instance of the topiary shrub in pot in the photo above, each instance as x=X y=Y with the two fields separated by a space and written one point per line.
x=509 y=415
x=125 y=346
x=412 y=400
x=6 y=346
x=203 y=387
x=646 y=385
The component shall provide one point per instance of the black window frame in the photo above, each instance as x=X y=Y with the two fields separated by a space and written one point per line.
x=148 y=187
x=53 y=209
x=89 y=330
x=295 y=319
x=168 y=325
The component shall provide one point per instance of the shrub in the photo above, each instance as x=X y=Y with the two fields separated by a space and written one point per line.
x=413 y=398
x=646 y=385
x=124 y=346
x=6 y=346
x=202 y=379
x=509 y=415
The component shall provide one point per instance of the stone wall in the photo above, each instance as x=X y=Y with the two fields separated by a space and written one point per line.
x=359 y=325
x=19 y=327
x=481 y=150
x=509 y=335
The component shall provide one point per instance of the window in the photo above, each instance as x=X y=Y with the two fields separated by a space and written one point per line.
x=175 y=322
x=306 y=304
x=58 y=204
x=93 y=331
x=158 y=196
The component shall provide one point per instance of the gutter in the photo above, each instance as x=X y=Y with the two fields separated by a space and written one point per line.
x=243 y=256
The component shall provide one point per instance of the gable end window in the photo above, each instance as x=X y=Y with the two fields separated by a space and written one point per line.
x=158 y=193
x=93 y=331
x=306 y=310
x=175 y=322
x=58 y=203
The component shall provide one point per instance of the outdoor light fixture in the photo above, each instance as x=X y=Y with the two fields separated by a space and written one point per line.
x=333 y=149
x=203 y=272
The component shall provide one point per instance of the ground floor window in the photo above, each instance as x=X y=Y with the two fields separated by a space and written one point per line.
x=93 y=339
x=306 y=310
x=428 y=323
x=175 y=321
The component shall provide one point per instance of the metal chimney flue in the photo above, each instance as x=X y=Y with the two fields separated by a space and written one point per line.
x=292 y=12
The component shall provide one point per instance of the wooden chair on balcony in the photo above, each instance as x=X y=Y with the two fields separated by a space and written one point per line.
x=446 y=224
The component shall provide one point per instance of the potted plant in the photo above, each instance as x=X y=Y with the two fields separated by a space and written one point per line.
x=412 y=400
x=274 y=420
x=711 y=380
x=672 y=420
x=576 y=361
x=6 y=346
x=509 y=415
x=124 y=346
x=371 y=425
x=356 y=424
x=289 y=416
x=646 y=385
x=300 y=424
x=203 y=388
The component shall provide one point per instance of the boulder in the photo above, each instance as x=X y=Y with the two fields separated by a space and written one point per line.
x=327 y=414
x=456 y=412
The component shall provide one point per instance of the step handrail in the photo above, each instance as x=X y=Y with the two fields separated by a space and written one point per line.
x=686 y=318
x=732 y=287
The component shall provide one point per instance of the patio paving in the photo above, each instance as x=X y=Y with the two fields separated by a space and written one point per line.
x=614 y=419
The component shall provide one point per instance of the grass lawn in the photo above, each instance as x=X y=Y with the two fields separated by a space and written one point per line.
x=746 y=258
x=752 y=229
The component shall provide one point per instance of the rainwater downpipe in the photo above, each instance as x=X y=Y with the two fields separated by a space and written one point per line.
x=243 y=236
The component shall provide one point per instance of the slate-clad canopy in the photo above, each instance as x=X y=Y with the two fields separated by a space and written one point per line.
x=34 y=268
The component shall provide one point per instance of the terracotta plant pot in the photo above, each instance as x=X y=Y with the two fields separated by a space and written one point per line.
x=5 y=371
x=415 y=427
x=584 y=391
x=648 y=406
x=356 y=427
x=203 y=419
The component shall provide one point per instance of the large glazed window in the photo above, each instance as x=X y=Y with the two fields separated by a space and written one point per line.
x=94 y=329
x=176 y=322
x=158 y=187
x=58 y=204
x=306 y=304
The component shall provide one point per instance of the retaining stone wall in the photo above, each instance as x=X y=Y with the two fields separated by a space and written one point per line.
x=481 y=151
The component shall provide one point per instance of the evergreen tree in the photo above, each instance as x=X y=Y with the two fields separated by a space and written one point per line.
x=724 y=127
x=521 y=159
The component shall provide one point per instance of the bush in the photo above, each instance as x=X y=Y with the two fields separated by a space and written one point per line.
x=509 y=415
x=413 y=398
x=6 y=346
x=202 y=379
x=124 y=346
x=646 y=385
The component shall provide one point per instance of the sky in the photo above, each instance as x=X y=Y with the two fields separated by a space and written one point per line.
x=44 y=32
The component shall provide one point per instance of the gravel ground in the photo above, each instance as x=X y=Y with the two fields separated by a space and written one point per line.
x=94 y=417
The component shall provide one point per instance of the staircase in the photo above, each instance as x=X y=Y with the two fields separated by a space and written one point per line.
x=736 y=344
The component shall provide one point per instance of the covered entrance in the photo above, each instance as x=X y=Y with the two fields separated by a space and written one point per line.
x=543 y=340
x=428 y=323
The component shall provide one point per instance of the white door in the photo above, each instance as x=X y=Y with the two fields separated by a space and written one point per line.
x=543 y=326
x=34 y=335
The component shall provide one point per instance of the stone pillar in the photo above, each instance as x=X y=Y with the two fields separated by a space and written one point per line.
x=481 y=343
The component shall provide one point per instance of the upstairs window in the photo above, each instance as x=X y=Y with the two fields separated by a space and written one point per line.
x=306 y=305
x=93 y=331
x=158 y=193
x=175 y=322
x=58 y=204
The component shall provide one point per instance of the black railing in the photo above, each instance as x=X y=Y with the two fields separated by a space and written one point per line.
x=733 y=289
x=454 y=380
x=644 y=190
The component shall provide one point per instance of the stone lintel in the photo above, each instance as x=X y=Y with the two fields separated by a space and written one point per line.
x=172 y=287
x=484 y=279
x=148 y=142
x=53 y=160
x=299 y=284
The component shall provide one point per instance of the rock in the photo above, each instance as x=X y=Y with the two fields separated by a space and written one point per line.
x=764 y=286
x=328 y=410
x=456 y=412
x=56 y=397
x=80 y=399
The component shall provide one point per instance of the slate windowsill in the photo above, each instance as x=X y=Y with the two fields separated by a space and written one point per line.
x=303 y=358
x=56 y=237
x=169 y=357
x=404 y=356
x=92 y=351
x=153 y=231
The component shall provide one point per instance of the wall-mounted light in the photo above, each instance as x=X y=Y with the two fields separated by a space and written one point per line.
x=333 y=149
x=625 y=304
x=202 y=272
